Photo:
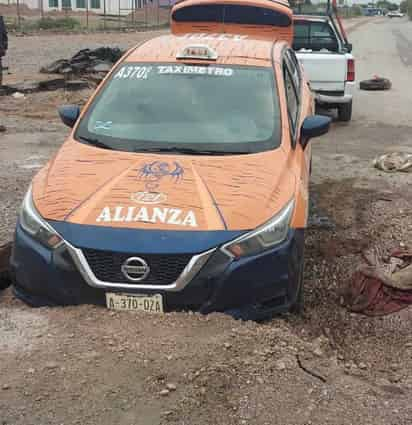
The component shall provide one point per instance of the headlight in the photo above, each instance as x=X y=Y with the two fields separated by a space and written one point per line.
x=271 y=233
x=35 y=226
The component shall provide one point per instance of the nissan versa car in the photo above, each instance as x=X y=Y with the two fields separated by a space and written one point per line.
x=183 y=184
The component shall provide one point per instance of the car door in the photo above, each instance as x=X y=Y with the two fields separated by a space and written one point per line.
x=297 y=111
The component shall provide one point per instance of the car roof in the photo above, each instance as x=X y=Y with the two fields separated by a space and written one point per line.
x=231 y=49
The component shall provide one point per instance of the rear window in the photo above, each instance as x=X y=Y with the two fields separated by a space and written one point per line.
x=159 y=106
x=232 y=14
x=314 y=36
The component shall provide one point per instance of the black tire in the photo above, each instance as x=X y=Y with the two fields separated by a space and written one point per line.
x=5 y=280
x=5 y=252
x=375 y=84
x=345 y=112
x=298 y=306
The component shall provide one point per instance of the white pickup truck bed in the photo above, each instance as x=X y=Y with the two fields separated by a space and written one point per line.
x=328 y=65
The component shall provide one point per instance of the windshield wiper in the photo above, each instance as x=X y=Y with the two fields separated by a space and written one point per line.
x=95 y=142
x=190 y=151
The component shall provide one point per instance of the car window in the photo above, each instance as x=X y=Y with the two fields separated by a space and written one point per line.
x=294 y=67
x=314 y=36
x=291 y=99
x=146 y=106
x=232 y=14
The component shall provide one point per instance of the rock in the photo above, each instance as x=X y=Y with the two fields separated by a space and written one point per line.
x=18 y=95
x=51 y=365
x=171 y=387
x=362 y=366
x=164 y=392
x=280 y=365
x=394 y=379
x=2 y=129
x=318 y=352
x=227 y=345
x=5 y=387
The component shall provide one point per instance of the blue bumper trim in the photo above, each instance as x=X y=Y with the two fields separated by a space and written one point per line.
x=143 y=241
x=250 y=288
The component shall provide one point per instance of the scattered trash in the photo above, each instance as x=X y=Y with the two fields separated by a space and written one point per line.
x=378 y=288
x=5 y=252
x=96 y=62
x=376 y=83
x=18 y=95
x=395 y=161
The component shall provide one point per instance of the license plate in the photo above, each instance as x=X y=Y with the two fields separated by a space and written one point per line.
x=132 y=302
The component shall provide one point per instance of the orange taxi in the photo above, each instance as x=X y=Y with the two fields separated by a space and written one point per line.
x=184 y=182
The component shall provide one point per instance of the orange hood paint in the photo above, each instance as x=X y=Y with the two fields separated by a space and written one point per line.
x=87 y=185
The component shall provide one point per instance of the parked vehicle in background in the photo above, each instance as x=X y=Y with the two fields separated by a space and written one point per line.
x=395 y=14
x=328 y=62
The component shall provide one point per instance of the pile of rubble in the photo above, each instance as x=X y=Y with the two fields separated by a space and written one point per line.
x=92 y=63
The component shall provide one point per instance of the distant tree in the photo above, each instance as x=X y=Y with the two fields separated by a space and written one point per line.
x=308 y=2
x=393 y=6
x=403 y=6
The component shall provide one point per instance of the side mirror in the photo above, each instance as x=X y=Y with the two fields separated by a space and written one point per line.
x=349 y=47
x=313 y=126
x=69 y=114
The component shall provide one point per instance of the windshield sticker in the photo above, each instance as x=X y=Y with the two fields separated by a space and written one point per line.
x=149 y=197
x=198 y=70
x=131 y=72
x=154 y=172
x=103 y=125
x=213 y=36
x=174 y=216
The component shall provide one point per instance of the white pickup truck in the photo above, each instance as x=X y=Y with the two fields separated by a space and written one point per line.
x=327 y=61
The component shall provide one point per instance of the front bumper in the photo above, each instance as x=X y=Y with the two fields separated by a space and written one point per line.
x=250 y=288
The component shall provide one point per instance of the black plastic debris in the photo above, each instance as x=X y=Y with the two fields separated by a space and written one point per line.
x=98 y=61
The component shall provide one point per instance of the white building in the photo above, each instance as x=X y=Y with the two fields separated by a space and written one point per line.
x=110 y=7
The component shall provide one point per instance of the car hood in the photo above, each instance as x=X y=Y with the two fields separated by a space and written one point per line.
x=88 y=185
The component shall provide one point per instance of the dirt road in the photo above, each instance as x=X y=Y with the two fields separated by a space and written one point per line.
x=86 y=365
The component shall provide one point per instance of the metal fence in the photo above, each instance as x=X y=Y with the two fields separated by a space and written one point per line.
x=78 y=15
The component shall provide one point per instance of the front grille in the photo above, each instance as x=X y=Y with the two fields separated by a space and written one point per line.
x=164 y=269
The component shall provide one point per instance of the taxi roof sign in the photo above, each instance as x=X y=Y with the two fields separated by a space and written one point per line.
x=198 y=52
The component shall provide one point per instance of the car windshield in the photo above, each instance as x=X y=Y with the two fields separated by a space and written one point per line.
x=185 y=108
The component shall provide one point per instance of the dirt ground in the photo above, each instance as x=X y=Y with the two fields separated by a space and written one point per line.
x=87 y=365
